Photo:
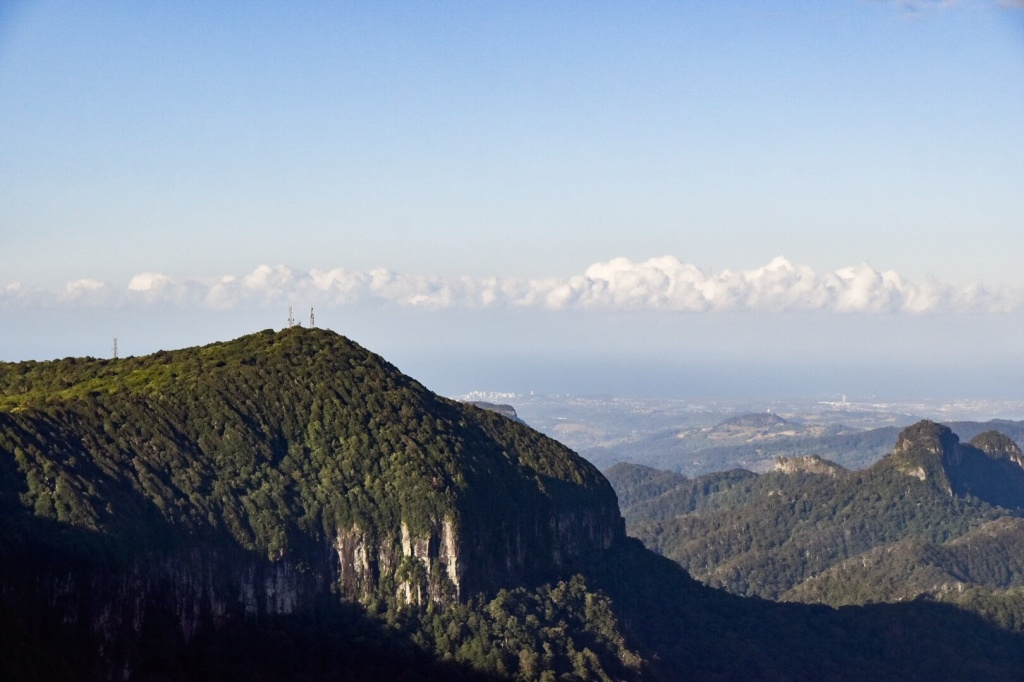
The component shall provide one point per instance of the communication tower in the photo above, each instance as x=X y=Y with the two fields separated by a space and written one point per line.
x=115 y=348
x=291 y=318
x=312 y=319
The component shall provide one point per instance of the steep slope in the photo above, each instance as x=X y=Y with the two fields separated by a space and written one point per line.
x=988 y=468
x=257 y=475
x=282 y=440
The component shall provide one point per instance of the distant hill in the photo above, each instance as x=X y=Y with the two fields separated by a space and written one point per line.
x=648 y=494
x=258 y=476
x=762 y=421
x=967 y=430
x=753 y=441
x=504 y=410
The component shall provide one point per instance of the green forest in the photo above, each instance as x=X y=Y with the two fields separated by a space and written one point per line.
x=936 y=519
x=288 y=505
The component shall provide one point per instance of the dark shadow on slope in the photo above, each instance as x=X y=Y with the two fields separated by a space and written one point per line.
x=65 y=615
x=996 y=481
x=706 y=634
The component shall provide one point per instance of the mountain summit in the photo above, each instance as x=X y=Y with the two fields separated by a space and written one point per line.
x=990 y=467
x=308 y=449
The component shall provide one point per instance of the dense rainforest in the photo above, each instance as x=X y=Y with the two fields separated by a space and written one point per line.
x=289 y=505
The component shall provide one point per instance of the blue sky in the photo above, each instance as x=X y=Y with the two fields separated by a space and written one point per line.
x=812 y=189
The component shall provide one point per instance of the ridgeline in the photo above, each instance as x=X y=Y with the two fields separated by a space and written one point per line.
x=936 y=519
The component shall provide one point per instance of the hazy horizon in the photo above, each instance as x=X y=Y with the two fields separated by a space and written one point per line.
x=676 y=198
x=729 y=356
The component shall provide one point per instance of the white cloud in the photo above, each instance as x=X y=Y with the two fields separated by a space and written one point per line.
x=85 y=291
x=658 y=284
x=148 y=281
x=10 y=293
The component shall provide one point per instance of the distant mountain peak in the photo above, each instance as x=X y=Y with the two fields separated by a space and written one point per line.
x=921 y=450
x=989 y=467
x=999 y=446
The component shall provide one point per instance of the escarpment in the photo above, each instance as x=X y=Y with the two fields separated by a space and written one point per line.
x=266 y=473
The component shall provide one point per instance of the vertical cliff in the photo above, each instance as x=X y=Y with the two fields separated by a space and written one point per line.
x=988 y=468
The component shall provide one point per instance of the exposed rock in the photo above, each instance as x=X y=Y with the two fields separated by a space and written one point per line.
x=988 y=468
x=811 y=464
x=924 y=450
x=999 y=446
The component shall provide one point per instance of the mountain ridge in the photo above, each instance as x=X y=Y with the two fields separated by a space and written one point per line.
x=290 y=506
x=936 y=518
x=198 y=427
x=252 y=477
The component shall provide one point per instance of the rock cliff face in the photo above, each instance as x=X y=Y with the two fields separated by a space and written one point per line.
x=989 y=467
x=811 y=464
x=925 y=451
x=262 y=475
x=999 y=446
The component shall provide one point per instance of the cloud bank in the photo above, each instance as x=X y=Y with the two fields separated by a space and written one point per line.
x=657 y=284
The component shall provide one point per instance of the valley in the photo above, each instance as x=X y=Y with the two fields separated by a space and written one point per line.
x=937 y=519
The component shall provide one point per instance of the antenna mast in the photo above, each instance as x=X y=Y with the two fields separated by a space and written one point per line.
x=115 y=348
x=312 y=319
x=291 y=318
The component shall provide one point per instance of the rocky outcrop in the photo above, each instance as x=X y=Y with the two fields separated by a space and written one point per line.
x=413 y=569
x=988 y=468
x=811 y=464
x=999 y=446
x=925 y=450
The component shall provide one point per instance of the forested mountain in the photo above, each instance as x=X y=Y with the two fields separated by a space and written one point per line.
x=258 y=475
x=274 y=441
x=936 y=518
x=290 y=506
